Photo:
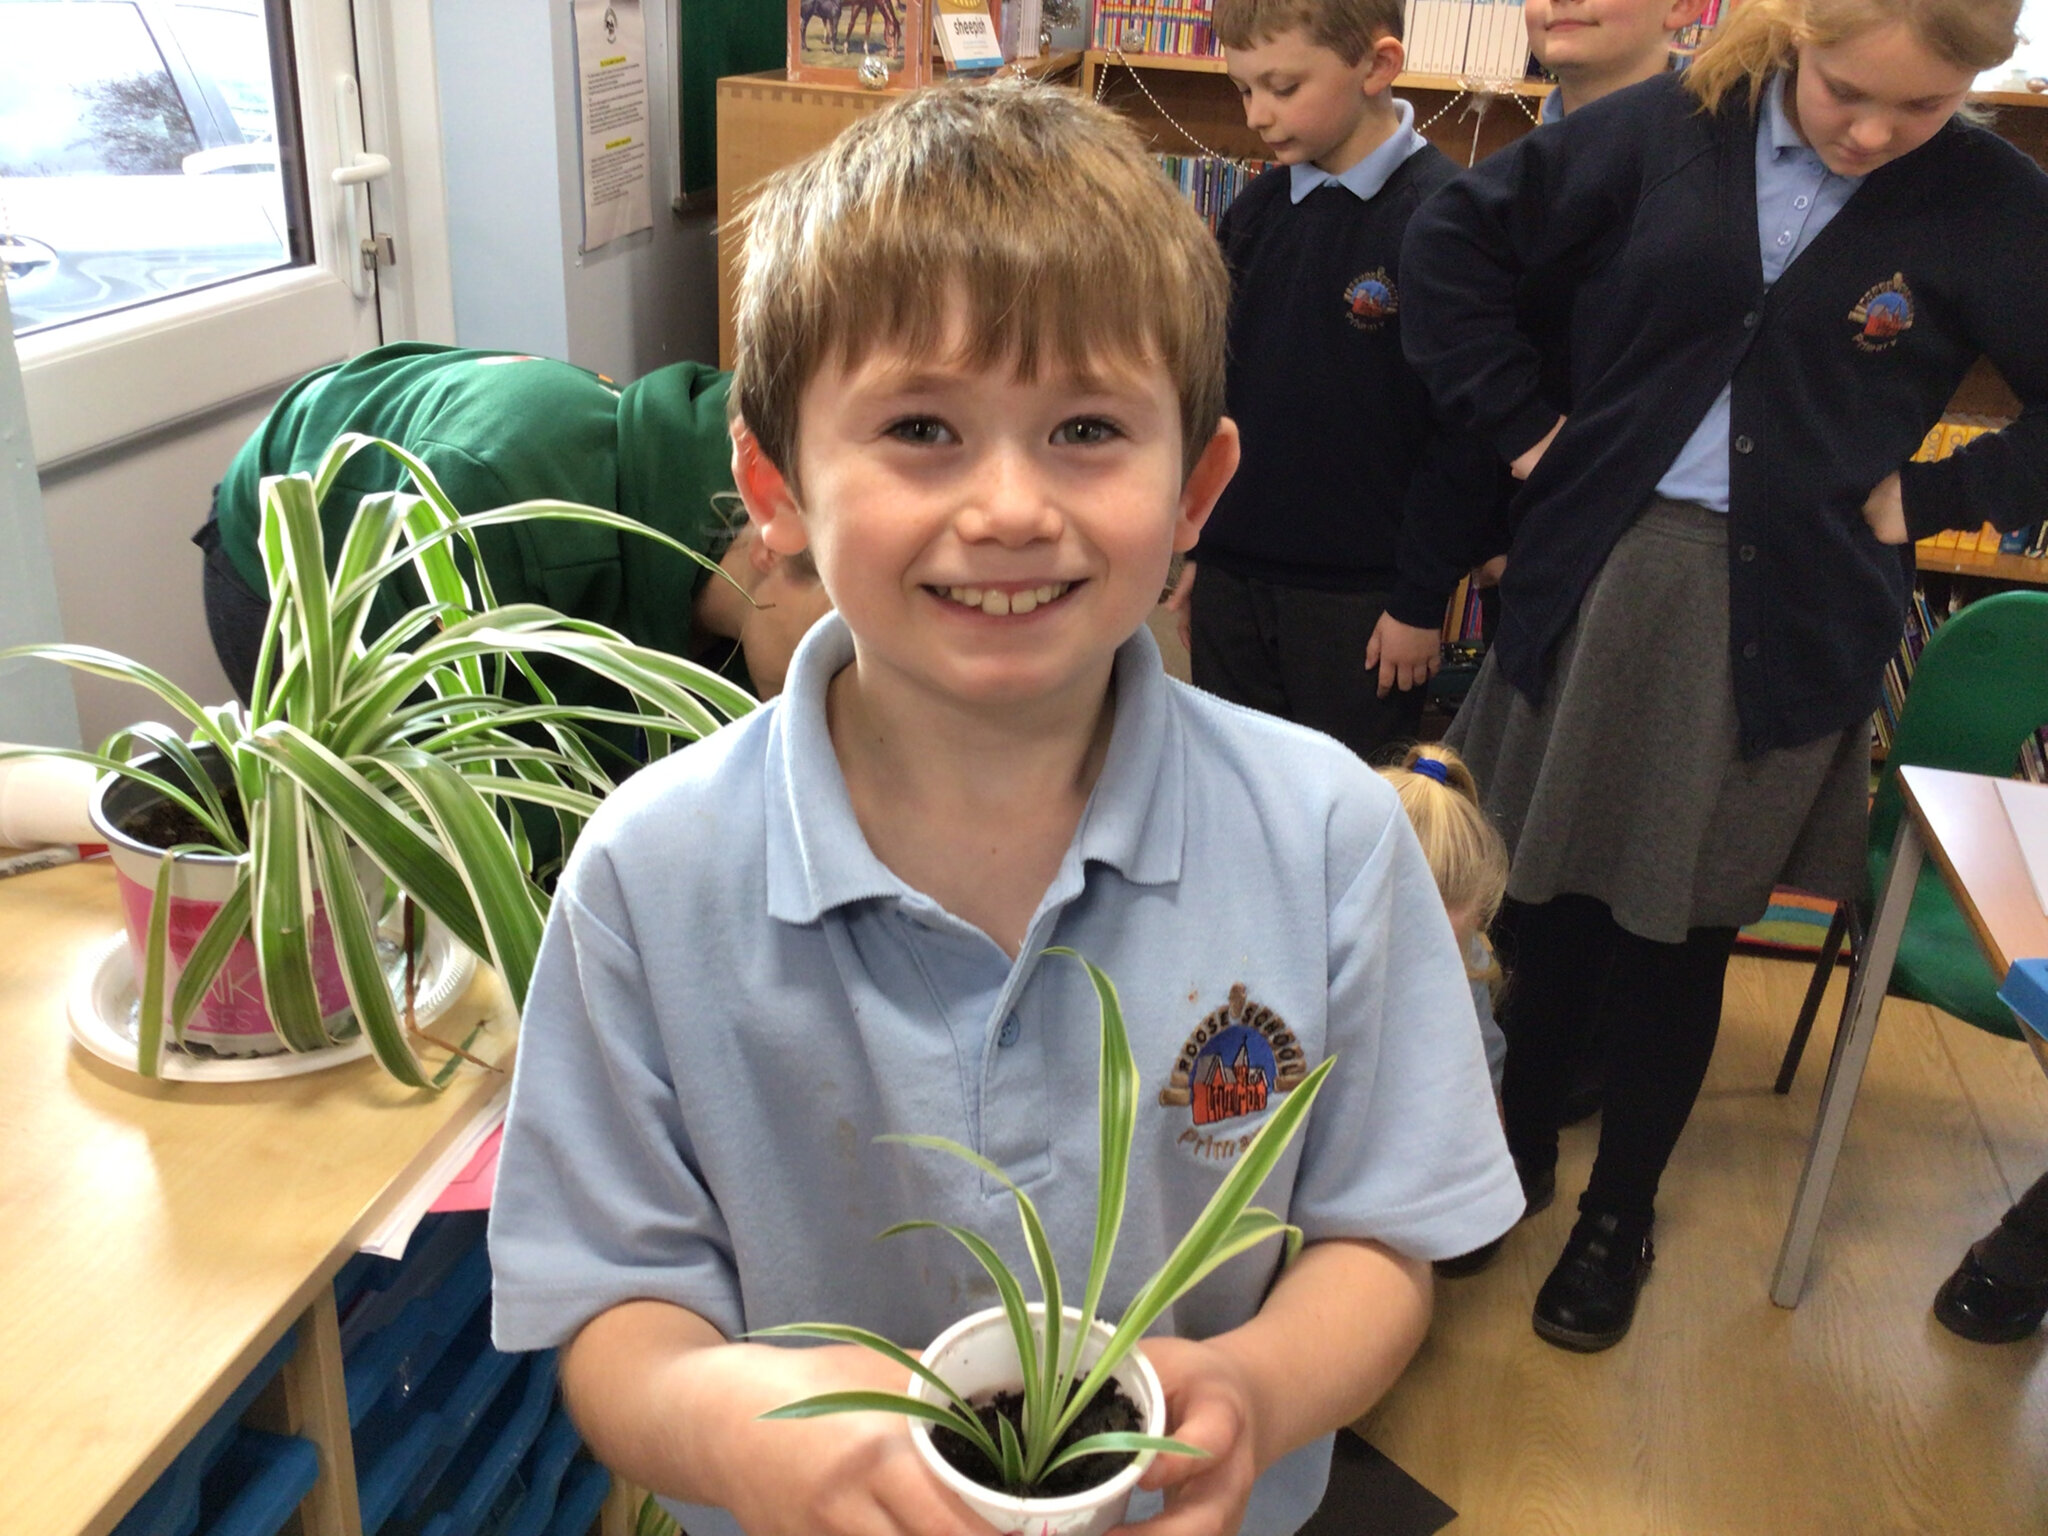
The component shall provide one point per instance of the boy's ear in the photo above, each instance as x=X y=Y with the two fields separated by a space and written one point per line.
x=771 y=504
x=1386 y=58
x=1205 y=483
x=1683 y=13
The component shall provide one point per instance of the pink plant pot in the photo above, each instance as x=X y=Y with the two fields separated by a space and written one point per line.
x=232 y=1018
x=978 y=1356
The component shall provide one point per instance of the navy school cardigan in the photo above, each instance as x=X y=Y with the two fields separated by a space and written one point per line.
x=1349 y=482
x=1640 y=210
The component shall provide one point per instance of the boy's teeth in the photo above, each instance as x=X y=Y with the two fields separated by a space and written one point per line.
x=998 y=604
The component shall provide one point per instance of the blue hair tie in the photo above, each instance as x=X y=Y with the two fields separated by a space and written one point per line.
x=1432 y=768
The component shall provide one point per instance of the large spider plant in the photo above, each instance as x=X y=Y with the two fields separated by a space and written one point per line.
x=417 y=747
x=1053 y=1396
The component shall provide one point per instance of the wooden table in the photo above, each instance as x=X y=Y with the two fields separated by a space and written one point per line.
x=157 y=1238
x=1956 y=818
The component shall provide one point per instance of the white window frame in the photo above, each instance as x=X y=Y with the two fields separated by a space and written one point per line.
x=96 y=384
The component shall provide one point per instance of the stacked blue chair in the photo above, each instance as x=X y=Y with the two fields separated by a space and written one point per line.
x=231 y=1480
x=452 y=1437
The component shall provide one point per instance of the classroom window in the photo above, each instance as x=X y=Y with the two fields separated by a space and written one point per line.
x=145 y=151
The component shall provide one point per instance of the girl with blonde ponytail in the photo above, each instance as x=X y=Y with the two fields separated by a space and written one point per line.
x=1777 y=267
x=1469 y=863
x=1763 y=37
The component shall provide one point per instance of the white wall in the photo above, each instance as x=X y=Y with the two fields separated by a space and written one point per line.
x=35 y=702
x=128 y=575
x=508 y=104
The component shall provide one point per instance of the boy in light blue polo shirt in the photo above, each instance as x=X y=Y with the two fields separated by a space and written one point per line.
x=980 y=371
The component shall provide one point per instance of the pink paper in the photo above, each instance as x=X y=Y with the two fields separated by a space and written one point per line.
x=470 y=1190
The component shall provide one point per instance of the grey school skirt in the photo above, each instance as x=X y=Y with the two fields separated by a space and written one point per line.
x=1627 y=784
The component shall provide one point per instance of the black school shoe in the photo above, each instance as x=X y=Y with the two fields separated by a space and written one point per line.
x=1978 y=1305
x=1589 y=1300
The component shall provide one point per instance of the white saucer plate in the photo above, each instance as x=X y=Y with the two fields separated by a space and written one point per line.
x=104 y=1001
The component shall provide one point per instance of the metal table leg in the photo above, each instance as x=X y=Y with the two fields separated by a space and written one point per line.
x=1873 y=974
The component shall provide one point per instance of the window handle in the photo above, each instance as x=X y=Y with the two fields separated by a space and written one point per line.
x=357 y=170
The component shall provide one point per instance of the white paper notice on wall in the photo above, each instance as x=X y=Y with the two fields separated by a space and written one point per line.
x=611 y=97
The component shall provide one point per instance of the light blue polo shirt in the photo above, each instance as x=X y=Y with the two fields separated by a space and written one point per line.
x=1364 y=179
x=735 y=997
x=1796 y=197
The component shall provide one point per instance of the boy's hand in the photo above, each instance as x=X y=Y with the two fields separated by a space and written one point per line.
x=1179 y=602
x=851 y=1474
x=1525 y=466
x=1489 y=574
x=1407 y=657
x=1209 y=1404
x=1885 y=511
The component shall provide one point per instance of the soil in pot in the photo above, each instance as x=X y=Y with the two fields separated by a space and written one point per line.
x=166 y=824
x=1112 y=1412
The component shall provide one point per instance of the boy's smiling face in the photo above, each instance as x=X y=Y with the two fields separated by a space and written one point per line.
x=989 y=539
x=1597 y=37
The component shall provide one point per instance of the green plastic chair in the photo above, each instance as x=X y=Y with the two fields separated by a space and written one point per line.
x=1980 y=689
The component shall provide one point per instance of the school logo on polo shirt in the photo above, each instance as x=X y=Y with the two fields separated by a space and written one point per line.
x=1883 y=315
x=1229 y=1069
x=1371 y=300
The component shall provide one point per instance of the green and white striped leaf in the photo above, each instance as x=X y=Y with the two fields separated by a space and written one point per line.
x=481 y=852
x=1122 y=1441
x=227 y=927
x=283 y=916
x=355 y=945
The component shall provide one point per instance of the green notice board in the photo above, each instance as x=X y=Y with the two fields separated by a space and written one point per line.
x=721 y=37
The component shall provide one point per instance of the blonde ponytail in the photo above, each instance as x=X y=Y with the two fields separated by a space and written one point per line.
x=1464 y=852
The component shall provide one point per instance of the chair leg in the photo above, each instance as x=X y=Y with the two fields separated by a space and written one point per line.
x=1823 y=968
x=1867 y=984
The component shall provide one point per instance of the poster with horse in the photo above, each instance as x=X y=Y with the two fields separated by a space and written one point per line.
x=830 y=41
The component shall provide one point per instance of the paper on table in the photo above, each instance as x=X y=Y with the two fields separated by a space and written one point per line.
x=395 y=1231
x=470 y=1190
x=2026 y=807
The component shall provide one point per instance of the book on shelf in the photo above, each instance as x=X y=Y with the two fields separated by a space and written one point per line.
x=1464 y=615
x=1212 y=184
x=967 y=34
x=1473 y=39
x=1690 y=39
x=1943 y=439
x=830 y=41
x=1183 y=27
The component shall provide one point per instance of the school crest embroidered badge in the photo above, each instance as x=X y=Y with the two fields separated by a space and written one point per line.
x=1883 y=315
x=1371 y=300
x=1229 y=1068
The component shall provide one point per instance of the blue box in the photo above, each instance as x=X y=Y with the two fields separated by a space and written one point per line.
x=2026 y=993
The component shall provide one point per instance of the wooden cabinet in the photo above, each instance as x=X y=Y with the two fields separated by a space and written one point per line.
x=764 y=123
x=1181 y=106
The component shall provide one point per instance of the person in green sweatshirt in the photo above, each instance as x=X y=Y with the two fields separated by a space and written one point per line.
x=497 y=428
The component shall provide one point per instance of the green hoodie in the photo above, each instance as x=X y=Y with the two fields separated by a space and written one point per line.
x=497 y=428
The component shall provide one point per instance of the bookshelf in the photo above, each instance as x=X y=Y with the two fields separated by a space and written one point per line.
x=1991 y=567
x=1185 y=104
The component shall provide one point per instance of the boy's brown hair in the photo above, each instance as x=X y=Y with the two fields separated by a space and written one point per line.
x=1039 y=212
x=1348 y=28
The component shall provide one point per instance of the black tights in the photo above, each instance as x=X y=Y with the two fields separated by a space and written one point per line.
x=1661 y=1012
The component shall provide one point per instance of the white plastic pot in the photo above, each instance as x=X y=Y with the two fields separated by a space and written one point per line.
x=978 y=1356
x=232 y=1018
